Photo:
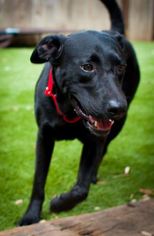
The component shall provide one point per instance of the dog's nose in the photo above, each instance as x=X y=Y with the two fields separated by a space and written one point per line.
x=116 y=109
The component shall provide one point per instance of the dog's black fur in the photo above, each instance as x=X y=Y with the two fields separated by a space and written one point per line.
x=96 y=75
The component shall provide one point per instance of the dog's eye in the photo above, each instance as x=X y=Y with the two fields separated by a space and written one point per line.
x=87 y=67
x=120 y=69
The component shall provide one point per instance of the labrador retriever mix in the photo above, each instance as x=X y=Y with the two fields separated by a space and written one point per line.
x=84 y=91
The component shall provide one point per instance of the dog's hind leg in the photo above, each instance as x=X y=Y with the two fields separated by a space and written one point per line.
x=44 y=150
x=91 y=156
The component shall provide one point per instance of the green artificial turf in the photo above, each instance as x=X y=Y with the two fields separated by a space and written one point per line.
x=134 y=147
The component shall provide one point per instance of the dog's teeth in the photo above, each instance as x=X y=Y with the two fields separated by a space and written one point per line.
x=111 y=121
x=95 y=123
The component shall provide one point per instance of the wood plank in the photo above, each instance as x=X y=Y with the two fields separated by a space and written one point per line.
x=141 y=19
x=132 y=220
x=77 y=15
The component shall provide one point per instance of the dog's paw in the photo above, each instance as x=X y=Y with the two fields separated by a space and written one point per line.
x=60 y=203
x=28 y=220
x=67 y=201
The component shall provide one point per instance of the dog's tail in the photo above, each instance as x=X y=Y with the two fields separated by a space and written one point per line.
x=117 y=23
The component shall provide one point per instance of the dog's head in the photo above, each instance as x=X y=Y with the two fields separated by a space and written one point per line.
x=89 y=68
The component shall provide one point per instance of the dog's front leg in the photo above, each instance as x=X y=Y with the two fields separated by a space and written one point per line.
x=44 y=148
x=90 y=159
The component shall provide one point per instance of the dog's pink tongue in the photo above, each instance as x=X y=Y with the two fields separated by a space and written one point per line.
x=107 y=124
x=101 y=124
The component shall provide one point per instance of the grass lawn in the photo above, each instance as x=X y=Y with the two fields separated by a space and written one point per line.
x=134 y=147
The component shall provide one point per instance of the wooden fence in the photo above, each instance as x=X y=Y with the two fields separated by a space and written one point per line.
x=77 y=15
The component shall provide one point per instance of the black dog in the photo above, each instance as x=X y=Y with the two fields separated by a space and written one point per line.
x=84 y=91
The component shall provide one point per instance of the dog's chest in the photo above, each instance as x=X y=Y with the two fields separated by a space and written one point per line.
x=67 y=132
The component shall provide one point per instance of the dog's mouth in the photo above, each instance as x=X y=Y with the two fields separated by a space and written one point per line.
x=95 y=125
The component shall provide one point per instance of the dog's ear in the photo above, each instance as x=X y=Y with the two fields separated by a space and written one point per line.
x=49 y=49
x=120 y=39
x=122 y=43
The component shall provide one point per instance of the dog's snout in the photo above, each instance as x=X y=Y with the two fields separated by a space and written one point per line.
x=116 y=109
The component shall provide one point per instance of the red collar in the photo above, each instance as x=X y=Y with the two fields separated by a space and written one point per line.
x=49 y=92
